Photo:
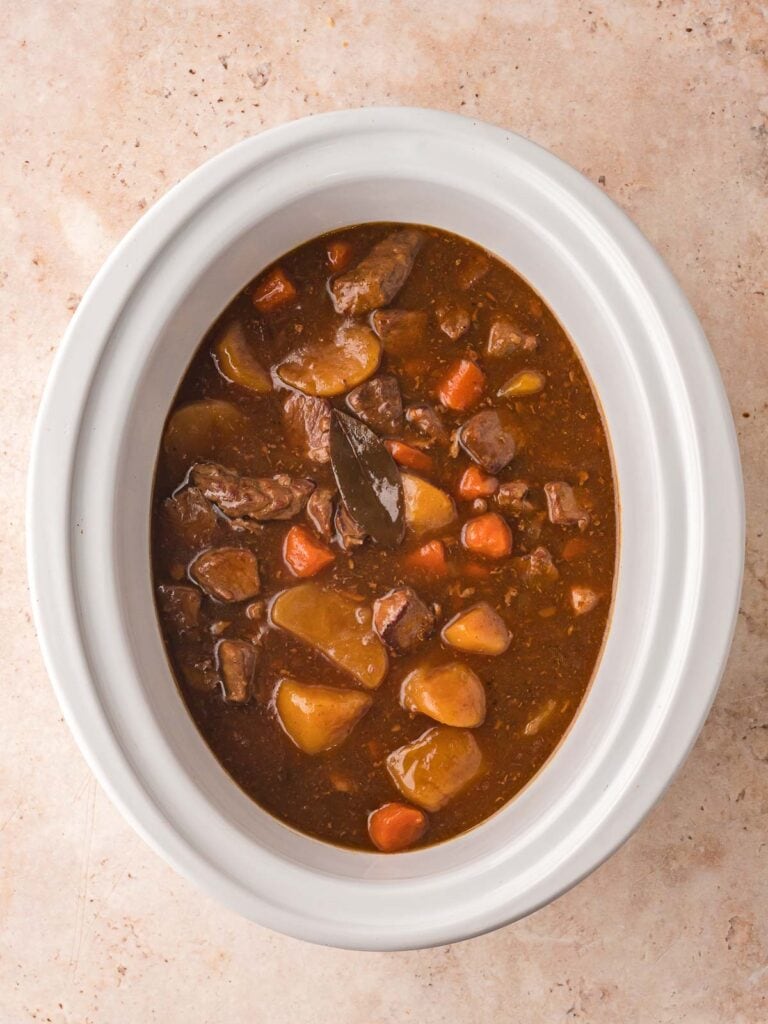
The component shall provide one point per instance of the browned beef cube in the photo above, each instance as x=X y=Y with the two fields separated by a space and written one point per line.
x=277 y=497
x=453 y=319
x=538 y=566
x=348 y=533
x=506 y=337
x=180 y=604
x=320 y=511
x=379 y=404
x=426 y=420
x=513 y=498
x=308 y=424
x=197 y=668
x=227 y=574
x=379 y=276
x=563 y=505
x=402 y=620
x=474 y=266
x=583 y=599
x=236 y=661
x=401 y=330
x=488 y=440
x=189 y=518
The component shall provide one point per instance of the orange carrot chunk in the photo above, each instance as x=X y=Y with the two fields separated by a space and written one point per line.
x=574 y=548
x=339 y=254
x=462 y=385
x=407 y=456
x=394 y=827
x=304 y=554
x=477 y=484
x=478 y=570
x=430 y=557
x=488 y=535
x=273 y=291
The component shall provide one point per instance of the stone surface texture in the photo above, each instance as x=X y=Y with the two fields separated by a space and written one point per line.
x=105 y=106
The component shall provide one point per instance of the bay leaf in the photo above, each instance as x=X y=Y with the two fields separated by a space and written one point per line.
x=368 y=479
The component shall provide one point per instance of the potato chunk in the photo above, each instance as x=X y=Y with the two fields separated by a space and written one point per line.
x=336 y=626
x=478 y=630
x=328 y=367
x=204 y=430
x=237 y=362
x=451 y=693
x=523 y=385
x=427 y=508
x=436 y=767
x=318 y=718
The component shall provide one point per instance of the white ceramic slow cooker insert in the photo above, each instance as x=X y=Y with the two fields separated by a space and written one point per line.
x=677 y=476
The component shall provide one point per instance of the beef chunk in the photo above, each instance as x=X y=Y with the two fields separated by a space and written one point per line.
x=400 y=330
x=320 y=511
x=243 y=525
x=402 y=620
x=379 y=276
x=488 y=440
x=538 y=566
x=563 y=505
x=180 y=605
x=583 y=599
x=227 y=574
x=453 y=319
x=348 y=533
x=513 y=498
x=189 y=518
x=277 y=497
x=197 y=668
x=308 y=423
x=426 y=420
x=378 y=403
x=506 y=336
x=472 y=268
x=236 y=661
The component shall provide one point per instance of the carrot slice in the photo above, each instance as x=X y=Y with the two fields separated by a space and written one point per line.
x=407 y=456
x=575 y=547
x=304 y=554
x=273 y=291
x=462 y=385
x=488 y=535
x=394 y=827
x=339 y=254
x=476 y=569
x=477 y=484
x=430 y=557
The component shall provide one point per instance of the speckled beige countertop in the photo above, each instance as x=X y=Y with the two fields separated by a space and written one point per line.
x=104 y=106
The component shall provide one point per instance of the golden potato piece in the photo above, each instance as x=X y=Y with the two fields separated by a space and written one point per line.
x=478 y=630
x=318 y=718
x=523 y=385
x=452 y=694
x=436 y=767
x=236 y=361
x=331 y=367
x=335 y=625
x=204 y=430
x=427 y=508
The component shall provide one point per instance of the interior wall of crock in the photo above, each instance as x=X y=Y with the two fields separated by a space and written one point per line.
x=201 y=290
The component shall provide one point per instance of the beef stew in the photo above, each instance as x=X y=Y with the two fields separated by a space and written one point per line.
x=384 y=536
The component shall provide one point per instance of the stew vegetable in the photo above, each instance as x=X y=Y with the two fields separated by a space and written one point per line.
x=384 y=536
